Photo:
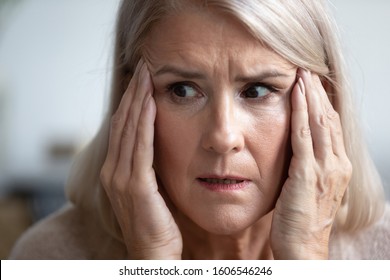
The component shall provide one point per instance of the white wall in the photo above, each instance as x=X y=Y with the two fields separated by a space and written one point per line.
x=365 y=26
x=54 y=71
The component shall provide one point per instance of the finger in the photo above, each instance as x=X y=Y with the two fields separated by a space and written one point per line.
x=127 y=98
x=129 y=132
x=318 y=121
x=301 y=141
x=143 y=148
x=336 y=132
x=117 y=123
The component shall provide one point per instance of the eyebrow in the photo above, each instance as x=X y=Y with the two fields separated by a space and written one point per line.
x=169 y=69
x=273 y=73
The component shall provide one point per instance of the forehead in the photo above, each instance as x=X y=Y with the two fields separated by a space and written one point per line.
x=200 y=36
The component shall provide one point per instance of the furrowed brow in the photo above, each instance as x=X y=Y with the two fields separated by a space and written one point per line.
x=186 y=74
x=261 y=76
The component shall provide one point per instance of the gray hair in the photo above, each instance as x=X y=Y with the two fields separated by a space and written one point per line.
x=301 y=31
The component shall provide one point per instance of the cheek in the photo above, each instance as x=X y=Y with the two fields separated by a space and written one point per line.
x=271 y=148
x=272 y=130
x=175 y=143
x=271 y=135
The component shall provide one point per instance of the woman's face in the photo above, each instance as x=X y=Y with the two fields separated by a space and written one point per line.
x=222 y=126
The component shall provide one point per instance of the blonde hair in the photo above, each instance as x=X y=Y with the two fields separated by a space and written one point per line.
x=301 y=31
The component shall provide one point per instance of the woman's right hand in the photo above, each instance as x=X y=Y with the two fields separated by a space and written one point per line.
x=148 y=227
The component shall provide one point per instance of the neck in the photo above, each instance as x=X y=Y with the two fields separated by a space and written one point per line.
x=251 y=243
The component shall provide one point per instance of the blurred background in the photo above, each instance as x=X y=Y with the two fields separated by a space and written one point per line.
x=55 y=75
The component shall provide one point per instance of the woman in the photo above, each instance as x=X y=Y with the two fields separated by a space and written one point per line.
x=230 y=135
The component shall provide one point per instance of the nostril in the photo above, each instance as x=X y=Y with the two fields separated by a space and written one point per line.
x=223 y=143
x=223 y=129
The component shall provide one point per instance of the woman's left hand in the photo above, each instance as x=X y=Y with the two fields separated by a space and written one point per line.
x=318 y=175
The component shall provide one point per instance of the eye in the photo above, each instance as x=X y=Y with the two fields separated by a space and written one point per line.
x=183 y=90
x=257 y=91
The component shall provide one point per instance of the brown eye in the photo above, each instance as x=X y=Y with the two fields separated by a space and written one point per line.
x=183 y=90
x=256 y=91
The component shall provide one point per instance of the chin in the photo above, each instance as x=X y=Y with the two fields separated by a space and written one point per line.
x=227 y=231
x=226 y=223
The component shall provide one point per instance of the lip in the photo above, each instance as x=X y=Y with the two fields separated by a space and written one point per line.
x=223 y=187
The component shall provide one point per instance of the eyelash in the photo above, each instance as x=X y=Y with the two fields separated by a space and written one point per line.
x=271 y=90
x=171 y=87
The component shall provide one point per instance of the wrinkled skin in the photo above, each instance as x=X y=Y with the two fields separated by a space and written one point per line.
x=227 y=108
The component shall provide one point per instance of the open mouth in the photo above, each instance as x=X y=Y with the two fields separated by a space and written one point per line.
x=223 y=184
x=221 y=181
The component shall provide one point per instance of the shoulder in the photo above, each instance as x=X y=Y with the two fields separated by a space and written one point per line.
x=57 y=237
x=369 y=243
x=70 y=233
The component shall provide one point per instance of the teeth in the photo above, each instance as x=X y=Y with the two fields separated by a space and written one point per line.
x=221 y=181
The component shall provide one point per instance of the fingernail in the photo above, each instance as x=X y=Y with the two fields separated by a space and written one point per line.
x=143 y=68
x=301 y=72
x=147 y=78
x=138 y=67
x=144 y=74
x=301 y=86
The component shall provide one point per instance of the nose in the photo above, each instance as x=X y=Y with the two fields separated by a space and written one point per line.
x=223 y=128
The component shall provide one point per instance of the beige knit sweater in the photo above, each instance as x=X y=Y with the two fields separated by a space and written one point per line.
x=73 y=234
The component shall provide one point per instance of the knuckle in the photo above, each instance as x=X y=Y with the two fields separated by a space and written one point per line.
x=116 y=120
x=323 y=121
x=304 y=132
x=348 y=169
x=128 y=129
x=104 y=177
x=338 y=173
x=139 y=146
x=105 y=170
x=331 y=114
x=320 y=120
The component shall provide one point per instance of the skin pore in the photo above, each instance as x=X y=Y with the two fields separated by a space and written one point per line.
x=223 y=112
